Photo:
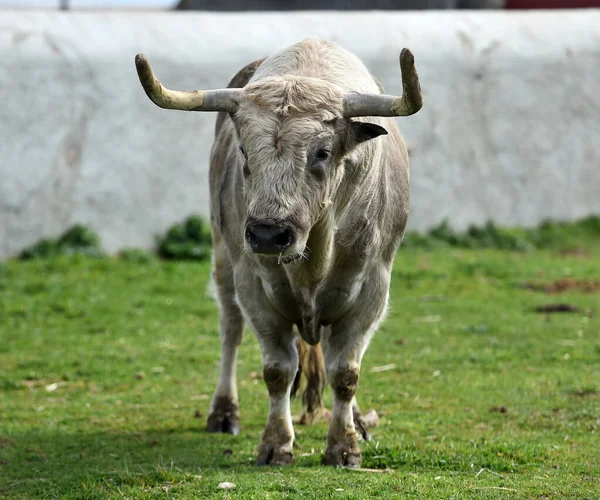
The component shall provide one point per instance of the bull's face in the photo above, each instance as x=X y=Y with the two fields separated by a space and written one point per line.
x=293 y=167
x=295 y=134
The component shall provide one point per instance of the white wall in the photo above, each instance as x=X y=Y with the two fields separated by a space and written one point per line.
x=510 y=130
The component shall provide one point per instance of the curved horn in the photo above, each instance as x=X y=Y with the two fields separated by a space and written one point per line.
x=356 y=104
x=195 y=100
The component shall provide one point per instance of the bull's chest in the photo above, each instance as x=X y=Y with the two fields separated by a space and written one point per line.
x=326 y=304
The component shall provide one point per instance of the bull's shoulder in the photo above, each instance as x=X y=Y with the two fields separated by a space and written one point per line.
x=241 y=78
x=376 y=221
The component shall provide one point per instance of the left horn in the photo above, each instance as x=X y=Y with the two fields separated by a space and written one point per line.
x=356 y=104
x=196 y=100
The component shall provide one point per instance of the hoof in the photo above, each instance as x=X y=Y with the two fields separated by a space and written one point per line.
x=269 y=455
x=340 y=457
x=309 y=418
x=224 y=417
x=363 y=422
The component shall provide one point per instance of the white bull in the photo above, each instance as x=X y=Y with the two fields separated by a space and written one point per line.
x=309 y=203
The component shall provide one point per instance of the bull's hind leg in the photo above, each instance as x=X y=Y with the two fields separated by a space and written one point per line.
x=224 y=410
x=363 y=421
x=312 y=367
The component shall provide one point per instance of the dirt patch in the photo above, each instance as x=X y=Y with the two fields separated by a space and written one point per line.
x=554 y=308
x=7 y=442
x=498 y=409
x=575 y=252
x=586 y=393
x=565 y=285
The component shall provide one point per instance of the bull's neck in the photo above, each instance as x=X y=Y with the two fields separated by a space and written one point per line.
x=307 y=276
x=355 y=196
x=310 y=272
x=358 y=190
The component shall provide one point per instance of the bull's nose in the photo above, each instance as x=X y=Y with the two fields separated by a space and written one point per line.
x=268 y=239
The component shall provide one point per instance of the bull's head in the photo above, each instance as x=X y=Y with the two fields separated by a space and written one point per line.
x=295 y=134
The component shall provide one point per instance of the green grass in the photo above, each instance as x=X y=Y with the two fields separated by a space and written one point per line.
x=105 y=363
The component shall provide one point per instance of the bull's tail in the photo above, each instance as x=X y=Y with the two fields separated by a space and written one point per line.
x=312 y=367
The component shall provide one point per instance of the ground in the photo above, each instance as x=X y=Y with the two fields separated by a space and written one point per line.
x=107 y=367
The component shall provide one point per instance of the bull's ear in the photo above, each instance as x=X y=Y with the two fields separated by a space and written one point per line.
x=361 y=132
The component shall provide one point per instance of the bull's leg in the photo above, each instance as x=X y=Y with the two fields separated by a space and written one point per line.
x=362 y=421
x=277 y=340
x=312 y=367
x=224 y=409
x=280 y=363
x=344 y=346
x=342 y=438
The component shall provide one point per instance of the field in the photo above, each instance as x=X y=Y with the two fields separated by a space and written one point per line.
x=107 y=366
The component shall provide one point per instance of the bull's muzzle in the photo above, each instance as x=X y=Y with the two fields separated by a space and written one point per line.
x=268 y=239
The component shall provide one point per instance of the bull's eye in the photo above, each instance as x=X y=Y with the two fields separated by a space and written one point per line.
x=323 y=154
x=242 y=151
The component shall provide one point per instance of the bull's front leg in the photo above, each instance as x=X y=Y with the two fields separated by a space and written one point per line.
x=344 y=346
x=280 y=363
x=277 y=341
x=224 y=410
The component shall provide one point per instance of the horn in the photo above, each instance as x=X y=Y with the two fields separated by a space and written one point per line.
x=196 y=100
x=356 y=104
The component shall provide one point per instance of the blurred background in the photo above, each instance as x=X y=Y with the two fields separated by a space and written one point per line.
x=509 y=132
x=284 y=5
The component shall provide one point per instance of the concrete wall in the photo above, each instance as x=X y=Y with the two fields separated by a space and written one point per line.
x=510 y=130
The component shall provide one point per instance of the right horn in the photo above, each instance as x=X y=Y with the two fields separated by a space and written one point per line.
x=196 y=100
x=356 y=104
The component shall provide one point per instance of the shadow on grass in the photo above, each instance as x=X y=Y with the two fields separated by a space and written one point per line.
x=55 y=464
x=49 y=464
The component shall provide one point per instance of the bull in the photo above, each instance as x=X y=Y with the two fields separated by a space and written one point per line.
x=309 y=200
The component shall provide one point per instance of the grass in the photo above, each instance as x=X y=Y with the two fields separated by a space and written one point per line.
x=107 y=367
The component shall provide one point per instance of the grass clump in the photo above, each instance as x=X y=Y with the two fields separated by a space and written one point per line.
x=79 y=239
x=549 y=235
x=190 y=240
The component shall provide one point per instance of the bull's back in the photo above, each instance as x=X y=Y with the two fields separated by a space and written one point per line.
x=240 y=80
